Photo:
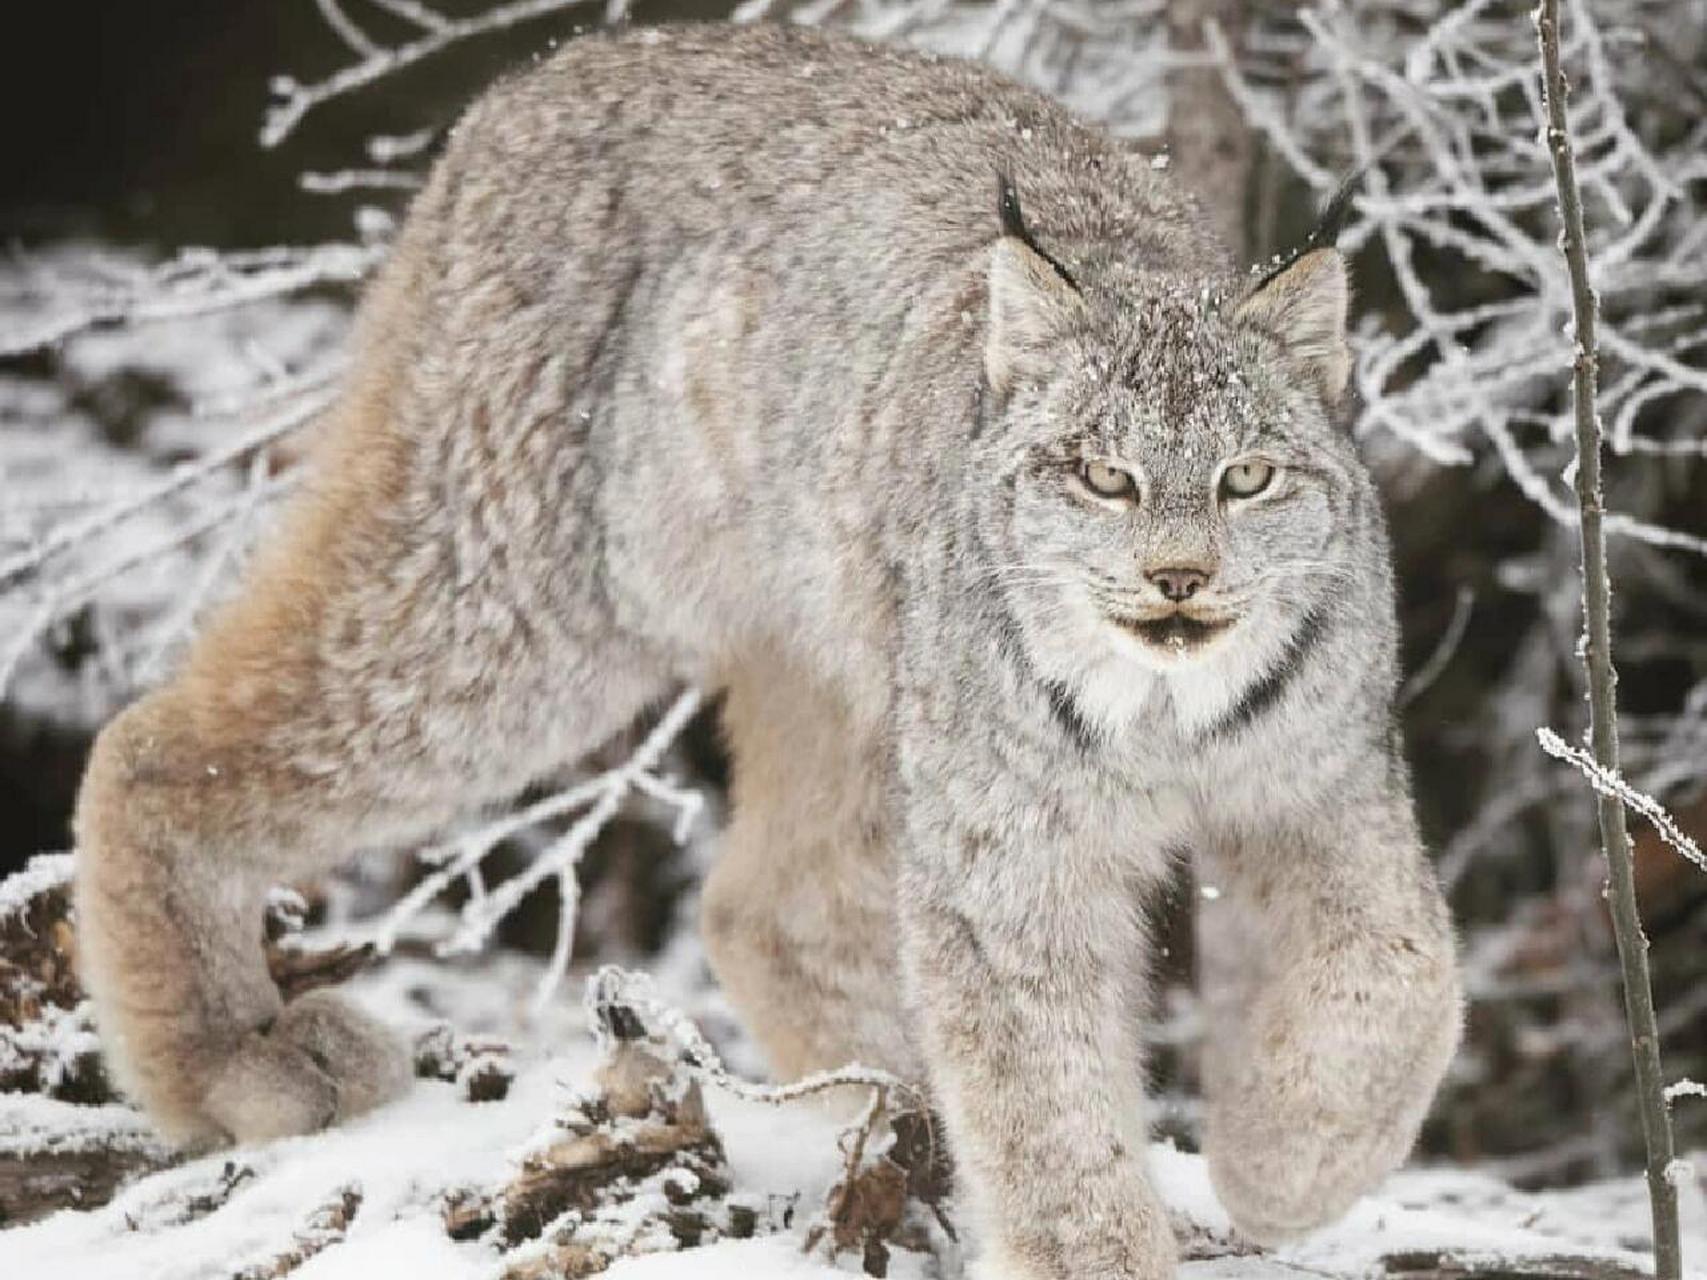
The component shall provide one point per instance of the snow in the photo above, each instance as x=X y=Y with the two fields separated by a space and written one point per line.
x=43 y=872
x=53 y=1043
x=774 y=1258
x=399 y=1158
x=227 y=1210
x=411 y=1246
x=35 y=1123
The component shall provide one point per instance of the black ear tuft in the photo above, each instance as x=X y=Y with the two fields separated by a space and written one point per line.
x=1330 y=223
x=1013 y=224
x=1337 y=213
x=1007 y=208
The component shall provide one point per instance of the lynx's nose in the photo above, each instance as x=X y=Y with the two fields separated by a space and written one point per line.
x=1179 y=583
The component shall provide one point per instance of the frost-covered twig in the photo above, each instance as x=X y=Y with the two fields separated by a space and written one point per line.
x=67 y=596
x=197 y=282
x=297 y=99
x=182 y=618
x=413 y=11
x=604 y=796
x=613 y=988
x=1608 y=782
x=336 y=183
x=347 y=29
x=1597 y=661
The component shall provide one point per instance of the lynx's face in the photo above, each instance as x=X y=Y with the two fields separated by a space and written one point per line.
x=1168 y=495
x=1172 y=487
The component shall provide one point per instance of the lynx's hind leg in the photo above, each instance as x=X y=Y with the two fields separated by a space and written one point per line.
x=799 y=911
x=419 y=637
x=172 y=872
x=204 y=794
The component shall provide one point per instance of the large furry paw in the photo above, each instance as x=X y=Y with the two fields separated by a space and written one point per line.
x=1140 y=1246
x=1322 y=1094
x=1298 y=1133
x=322 y=1060
x=1278 y=1186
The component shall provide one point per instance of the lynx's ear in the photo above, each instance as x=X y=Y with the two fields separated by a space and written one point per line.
x=1033 y=299
x=1304 y=305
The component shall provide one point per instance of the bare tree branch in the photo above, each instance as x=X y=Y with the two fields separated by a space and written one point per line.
x=297 y=99
x=1597 y=660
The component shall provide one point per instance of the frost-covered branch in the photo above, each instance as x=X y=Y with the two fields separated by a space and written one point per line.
x=1418 y=682
x=613 y=987
x=48 y=304
x=439 y=31
x=78 y=533
x=1608 y=782
x=1449 y=128
x=337 y=183
x=603 y=797
x=87 y=555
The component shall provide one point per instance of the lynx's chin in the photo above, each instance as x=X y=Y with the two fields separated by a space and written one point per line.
x=1176 y=634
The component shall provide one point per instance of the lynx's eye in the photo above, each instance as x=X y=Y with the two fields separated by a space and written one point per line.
x=1246 y=479
x=1106 y=481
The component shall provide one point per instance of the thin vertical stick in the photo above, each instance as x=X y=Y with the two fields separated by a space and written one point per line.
x=1597 y=660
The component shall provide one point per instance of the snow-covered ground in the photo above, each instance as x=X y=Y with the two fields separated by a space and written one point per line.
x=240 y=1212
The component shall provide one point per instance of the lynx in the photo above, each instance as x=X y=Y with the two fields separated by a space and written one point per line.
x=935 y=428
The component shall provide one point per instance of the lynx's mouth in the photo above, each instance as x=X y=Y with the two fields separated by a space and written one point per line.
x=1175 y=632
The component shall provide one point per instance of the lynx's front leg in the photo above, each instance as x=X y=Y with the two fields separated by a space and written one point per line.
x=1340 y=1004
x=1024 y=951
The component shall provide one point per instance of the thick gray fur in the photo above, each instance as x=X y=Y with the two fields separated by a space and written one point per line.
x=703 y=357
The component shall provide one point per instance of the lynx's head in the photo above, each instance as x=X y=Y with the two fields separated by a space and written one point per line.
x=1171 y=491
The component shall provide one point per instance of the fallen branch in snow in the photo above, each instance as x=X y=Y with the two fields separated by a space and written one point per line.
x=295 y=971
x=73 y=1157
x=480 y=1067
x=1432 y=1265
x=894 y=1163
x=644 y=1130
x=325 y=1227
x=295 y=968
x=1597 y=662
x=622 y=1005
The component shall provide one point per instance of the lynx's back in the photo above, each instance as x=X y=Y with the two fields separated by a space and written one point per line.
x=695 y=132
